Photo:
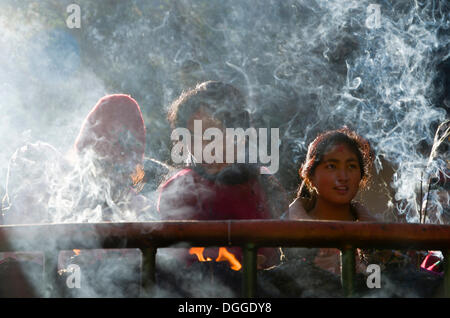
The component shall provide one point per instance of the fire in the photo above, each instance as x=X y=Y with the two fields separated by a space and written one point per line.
x=77 y=252
x=199 y=252
x=224 y=255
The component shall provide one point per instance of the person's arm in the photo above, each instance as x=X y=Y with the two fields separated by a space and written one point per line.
x=143 y=208
x=177 y=198
x=33 y=171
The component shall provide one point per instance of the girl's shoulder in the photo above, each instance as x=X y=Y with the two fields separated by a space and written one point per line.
x=297 y=209
x=178 y=177
x=363 y=214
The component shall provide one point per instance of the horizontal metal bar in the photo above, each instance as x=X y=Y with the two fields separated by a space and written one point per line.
x=222 y=233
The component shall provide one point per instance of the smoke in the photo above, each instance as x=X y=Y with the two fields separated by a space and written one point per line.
x=389 y=91
x=177 y=279
x=305 y=66
x=101 y=273
x=46 y=91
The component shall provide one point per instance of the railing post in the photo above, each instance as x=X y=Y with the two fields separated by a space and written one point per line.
x=51 y=274
x=447 y=273
x=249 y=271
x=148 y=271
x=348 y=271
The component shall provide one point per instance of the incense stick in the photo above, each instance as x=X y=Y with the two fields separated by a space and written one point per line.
x=436 y=143
x=421 y=197
x=426 y=202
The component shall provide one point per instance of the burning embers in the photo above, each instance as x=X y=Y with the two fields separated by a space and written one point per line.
x=224 y=255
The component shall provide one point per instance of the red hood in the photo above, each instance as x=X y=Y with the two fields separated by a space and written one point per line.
x=114 y=129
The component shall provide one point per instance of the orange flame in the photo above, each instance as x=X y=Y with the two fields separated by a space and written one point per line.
x=77 y=252
x=224 y=255
x=199 y=252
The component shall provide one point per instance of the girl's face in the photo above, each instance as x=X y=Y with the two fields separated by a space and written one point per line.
x=207 y=121
x=338 y=175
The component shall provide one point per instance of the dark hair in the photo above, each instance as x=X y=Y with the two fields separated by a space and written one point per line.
x=321 y=145
x=223 y=101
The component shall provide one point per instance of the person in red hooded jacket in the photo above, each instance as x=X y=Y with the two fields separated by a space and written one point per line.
x=110 y=151
x=110 y=148
x=97 y=185
x=43 y=186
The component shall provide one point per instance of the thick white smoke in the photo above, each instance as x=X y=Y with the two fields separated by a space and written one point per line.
x=306 y=66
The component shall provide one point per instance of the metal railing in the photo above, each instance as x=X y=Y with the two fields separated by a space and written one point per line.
x=248 y=234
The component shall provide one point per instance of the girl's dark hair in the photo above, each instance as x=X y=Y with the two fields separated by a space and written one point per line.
x=223 y=101
x=322 y=144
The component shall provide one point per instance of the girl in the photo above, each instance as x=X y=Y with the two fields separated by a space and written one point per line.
x=337 y=165
x=219 y=191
